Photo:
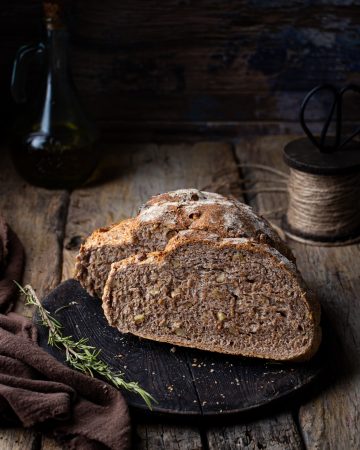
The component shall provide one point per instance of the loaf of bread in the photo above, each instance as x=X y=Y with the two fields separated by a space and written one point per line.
x=160 y=219
x=228 y=295
x=200 y=270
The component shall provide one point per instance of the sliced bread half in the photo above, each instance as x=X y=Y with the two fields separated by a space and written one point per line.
x=227 y=295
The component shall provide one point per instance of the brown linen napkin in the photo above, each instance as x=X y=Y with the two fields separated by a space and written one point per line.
x=38 y=391
x=11 y=265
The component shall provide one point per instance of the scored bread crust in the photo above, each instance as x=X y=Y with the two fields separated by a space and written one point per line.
x=189 y=238
x=161 y=218
x=215 y=213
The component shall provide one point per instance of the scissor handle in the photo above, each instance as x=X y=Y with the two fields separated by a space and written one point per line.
x=353 y=88
x=320 y=145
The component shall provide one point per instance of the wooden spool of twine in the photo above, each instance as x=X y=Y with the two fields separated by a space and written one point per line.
x=324 y=182
x=323 y=194
x=324 y=208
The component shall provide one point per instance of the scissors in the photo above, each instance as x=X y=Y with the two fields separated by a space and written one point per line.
x=335 y=106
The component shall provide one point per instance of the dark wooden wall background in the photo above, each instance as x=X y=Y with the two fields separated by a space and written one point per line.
x=179 y=68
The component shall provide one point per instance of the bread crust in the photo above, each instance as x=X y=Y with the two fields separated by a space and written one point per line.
x=122 y=235
x=215 y=213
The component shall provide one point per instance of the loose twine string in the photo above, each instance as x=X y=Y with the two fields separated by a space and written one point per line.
x=321 y=206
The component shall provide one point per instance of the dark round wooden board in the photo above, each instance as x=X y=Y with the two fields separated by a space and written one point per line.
x=183 y=381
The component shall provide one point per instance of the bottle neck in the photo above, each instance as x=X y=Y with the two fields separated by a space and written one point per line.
x=59 y=93
x=57 y=50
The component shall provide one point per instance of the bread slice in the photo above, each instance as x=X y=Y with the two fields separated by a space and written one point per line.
x=227 y=295
x=159 y=220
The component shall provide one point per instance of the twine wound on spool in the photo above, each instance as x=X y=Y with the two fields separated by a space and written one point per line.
x=324 y=207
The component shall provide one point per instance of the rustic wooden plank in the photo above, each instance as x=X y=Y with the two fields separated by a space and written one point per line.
x=273 y=433
x=50 y=444
x=330 y=419
x=264 y=150
x=162 y=437
x=197 y=62
x=19 y=439
x=177 y=131
x=38 y=217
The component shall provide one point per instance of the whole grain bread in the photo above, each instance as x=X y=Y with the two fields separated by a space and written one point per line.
x=162 y=218
x=228 y=295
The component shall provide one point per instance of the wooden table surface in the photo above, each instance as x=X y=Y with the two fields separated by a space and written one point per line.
x=51 y=224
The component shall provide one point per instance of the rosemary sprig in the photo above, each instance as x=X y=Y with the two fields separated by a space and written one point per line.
x=79 y=354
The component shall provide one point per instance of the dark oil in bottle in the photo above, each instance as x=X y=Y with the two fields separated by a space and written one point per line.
x=62 y=160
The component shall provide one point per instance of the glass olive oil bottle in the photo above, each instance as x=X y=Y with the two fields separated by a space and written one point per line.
x=53 y=140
